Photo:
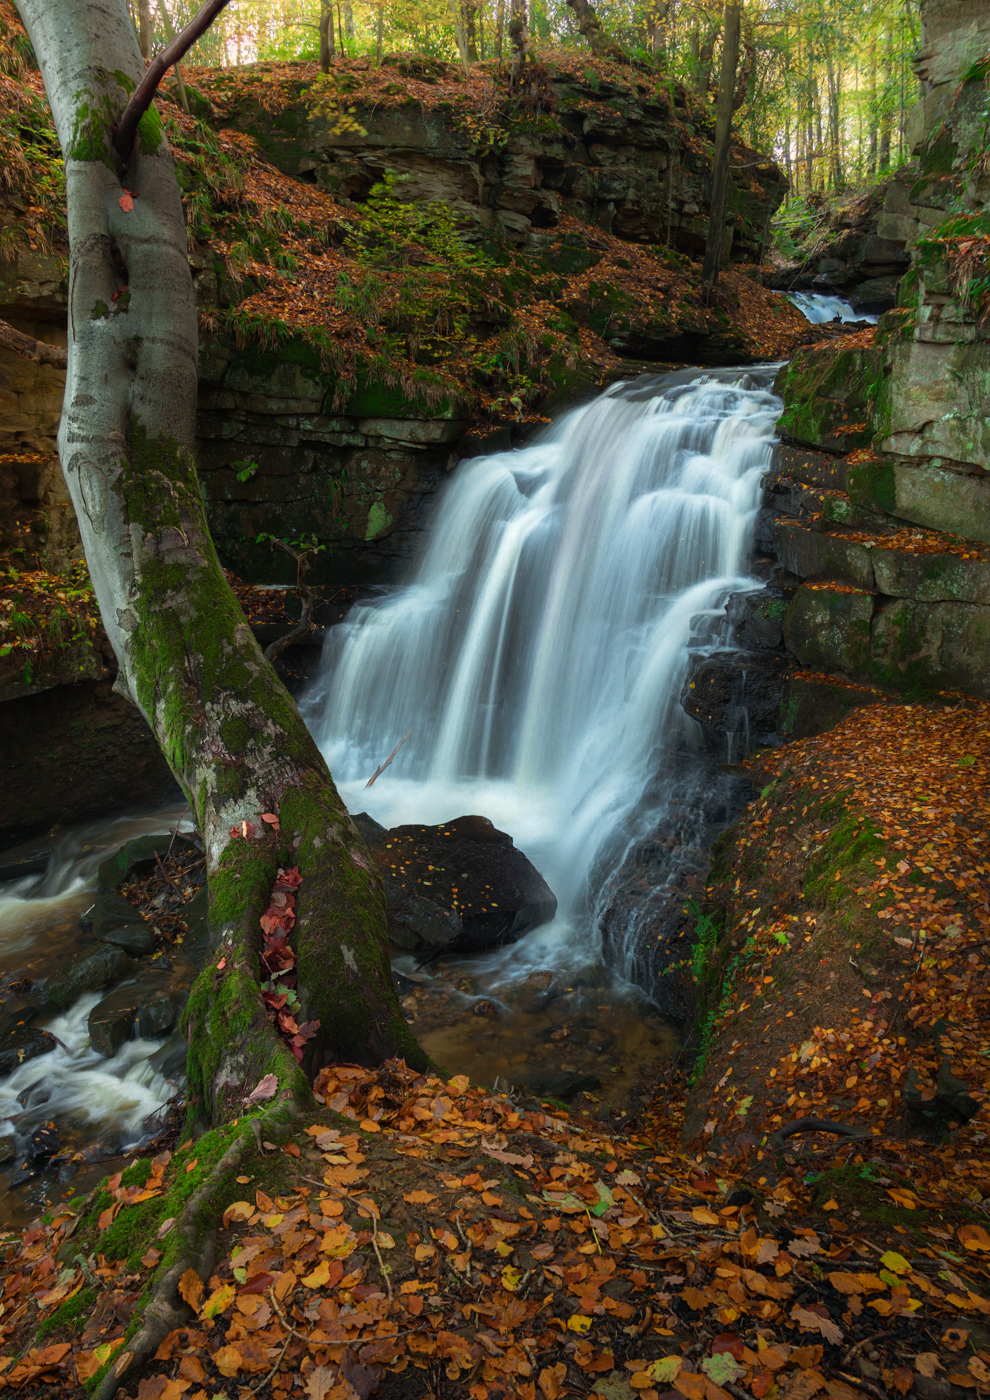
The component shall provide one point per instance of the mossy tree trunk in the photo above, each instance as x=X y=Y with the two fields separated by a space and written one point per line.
x=188 y=660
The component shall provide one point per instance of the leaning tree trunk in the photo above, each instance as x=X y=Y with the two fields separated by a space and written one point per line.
x=589 y=25
x=327 y=46
x=188 y=660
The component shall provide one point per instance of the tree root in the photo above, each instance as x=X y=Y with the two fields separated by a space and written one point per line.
x=165 y=1311
x=813 y=1125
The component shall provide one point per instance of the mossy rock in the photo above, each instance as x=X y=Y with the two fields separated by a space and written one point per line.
x=830 y=630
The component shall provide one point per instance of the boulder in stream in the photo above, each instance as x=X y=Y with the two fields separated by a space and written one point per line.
x=115 y=920
x=91 y=970
x=24 y=1043
x=457 y=887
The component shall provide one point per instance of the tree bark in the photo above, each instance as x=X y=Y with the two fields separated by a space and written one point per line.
x=230 y=732
x=590 y=27
x=38 y=350
x=745 y=68
x=327 y=47
x=723 y=141
x=518 y=42
x=144 y=28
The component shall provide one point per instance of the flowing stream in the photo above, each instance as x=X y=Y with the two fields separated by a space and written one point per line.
x=818 y=308
x=539 y=652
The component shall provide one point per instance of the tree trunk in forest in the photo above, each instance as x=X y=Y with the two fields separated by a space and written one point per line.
x=590 y=27
x=169 y=28
x=469 y=9
x=144 y=28
x=871 y=159
x=349 y=21
x=834 y=134
x=188 y=660
x=328 y=49
x=745 y=69
x=723 y=142
x=518 y=42
x=705 y=55
x=460 y=34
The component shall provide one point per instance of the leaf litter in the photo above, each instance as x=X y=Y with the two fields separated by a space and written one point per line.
x=437 y=1239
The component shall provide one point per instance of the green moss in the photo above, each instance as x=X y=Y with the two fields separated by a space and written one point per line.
x=68 y=1313
x=850 y=845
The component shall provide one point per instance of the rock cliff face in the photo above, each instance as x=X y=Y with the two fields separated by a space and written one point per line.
x=877 y=519
x=627 y=157
x=848 y=254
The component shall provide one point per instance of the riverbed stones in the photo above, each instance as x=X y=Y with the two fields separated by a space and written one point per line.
x=459 y=886
x=24 y=1043
x=90 y=970
x=115 y=920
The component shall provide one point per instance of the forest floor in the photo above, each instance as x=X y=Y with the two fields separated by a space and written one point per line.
x=416 y=1237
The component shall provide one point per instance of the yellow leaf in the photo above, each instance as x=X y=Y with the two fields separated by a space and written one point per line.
x=218 y=1301
x=974 y=1237
x=459 y=1084
x=704 y=1216
x=831 y=1205
x=503 y=1249
x=511 y=1278
x=319 y=1275
x=240 y=1210
x=191 y=1289
x=667 y=1369
x=103 y=1353
x=228 y=1361
x=385 y=1239
x=577 y=1322
x=895 y=1262
x=907 y=1199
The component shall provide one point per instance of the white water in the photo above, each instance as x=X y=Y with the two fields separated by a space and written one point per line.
x=817 y=308
x=87 y=1096
x=541 y=646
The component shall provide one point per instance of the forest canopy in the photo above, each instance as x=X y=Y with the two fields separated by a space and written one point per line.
x=823 y=88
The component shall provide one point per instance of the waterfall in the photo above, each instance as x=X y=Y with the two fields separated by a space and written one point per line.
x=540 y=648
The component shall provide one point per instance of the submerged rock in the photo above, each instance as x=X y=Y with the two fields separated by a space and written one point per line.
x=115 y=920
x=457 y=887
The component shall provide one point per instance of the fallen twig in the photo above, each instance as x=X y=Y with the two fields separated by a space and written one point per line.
x=378 y=771
x=378 y=1256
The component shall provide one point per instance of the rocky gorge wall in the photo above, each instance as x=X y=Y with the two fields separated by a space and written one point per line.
x=875 y=531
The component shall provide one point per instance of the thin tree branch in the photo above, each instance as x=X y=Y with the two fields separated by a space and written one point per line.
x=143 y=95
x=32 y=349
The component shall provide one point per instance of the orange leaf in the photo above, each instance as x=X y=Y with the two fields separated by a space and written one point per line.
x=191 y=1289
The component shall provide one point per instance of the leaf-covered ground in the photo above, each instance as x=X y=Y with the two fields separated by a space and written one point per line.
x=421 y=1238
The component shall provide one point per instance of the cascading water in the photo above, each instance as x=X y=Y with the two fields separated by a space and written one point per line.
x=541 y=647
x=818 y=308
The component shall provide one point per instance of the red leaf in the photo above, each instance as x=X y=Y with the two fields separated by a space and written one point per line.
x=307 y=1030
x=271 y=819
x=234 y=831
x=296 y=1050
x=290 y=877
x=257 y=1284
x=247 y=829
x=287 y=1023
x=126 y=201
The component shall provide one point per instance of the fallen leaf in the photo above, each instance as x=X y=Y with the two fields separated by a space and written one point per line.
x=191 y=1289
x=126 y=201
x=266 y=1088
x=811 y=1321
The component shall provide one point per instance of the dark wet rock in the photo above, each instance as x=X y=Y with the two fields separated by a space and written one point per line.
x=736 y=698
x=8 y=1145
x=459 y=886
x=564 y=1086
x=196 y=915
x=24 y=1043
x=757 y=618
x=16 y=1010
x=91 y=970
x=29 y=859
x=115 y=920
x=158 y=1015
x=641 y=898
x=170 y=1060
x=137 y=857
x=370 y=830
x=41 y=1147
x=150 y=1011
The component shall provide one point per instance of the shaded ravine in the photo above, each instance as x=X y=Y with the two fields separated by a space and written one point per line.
x=538 y=653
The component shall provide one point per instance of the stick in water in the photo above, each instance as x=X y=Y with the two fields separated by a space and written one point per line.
x=378 y=771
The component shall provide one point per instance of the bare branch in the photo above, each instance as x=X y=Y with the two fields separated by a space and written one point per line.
x=143 y=95
x=32 y=349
